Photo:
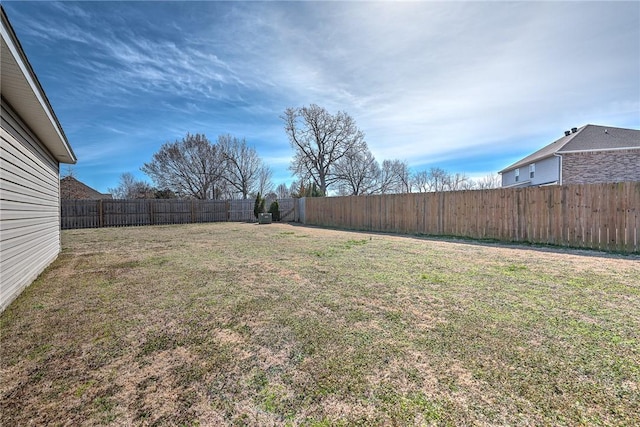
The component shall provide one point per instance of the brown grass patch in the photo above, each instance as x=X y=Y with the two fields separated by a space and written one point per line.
x=239 y=324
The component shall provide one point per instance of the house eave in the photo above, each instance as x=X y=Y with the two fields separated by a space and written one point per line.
x=526 y=183
x=21 y=90
x=595 y=150
x=529 y=184
x=523 y=163
x=559 y=153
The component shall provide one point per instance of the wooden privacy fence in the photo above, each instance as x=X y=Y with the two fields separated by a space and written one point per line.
x=597 y=216
x=120 y=213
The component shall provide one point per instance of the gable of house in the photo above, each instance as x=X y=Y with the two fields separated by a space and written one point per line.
x=590 y=154
x=71 y=188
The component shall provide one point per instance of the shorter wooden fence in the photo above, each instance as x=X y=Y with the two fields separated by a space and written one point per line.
x=596 y=216
x=121 y=213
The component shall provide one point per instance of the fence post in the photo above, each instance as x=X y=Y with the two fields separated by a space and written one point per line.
x=441 y=212
x=598 y=216
x=100 y=214
x=302 y=210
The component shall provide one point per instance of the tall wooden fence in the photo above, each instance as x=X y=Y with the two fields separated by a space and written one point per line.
x=119 y=213
x=597 y=216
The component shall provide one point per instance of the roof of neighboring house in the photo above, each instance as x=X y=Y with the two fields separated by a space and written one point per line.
x=586 y=138
x=71 y=188
x=22 y=90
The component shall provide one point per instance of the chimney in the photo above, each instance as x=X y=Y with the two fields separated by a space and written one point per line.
x=574 y=130
x=567 y=133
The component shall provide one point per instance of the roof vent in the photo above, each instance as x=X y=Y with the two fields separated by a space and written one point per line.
x=567 y=133
x=574 y=130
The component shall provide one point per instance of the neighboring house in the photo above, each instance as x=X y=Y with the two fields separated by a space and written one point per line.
x=589 y=155
x=33 y=146
x=71 y=188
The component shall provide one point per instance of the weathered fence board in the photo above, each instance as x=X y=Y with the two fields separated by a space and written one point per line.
x=120 y=213
x=597 y=216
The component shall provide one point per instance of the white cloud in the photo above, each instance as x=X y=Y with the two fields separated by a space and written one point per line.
x=425 y=81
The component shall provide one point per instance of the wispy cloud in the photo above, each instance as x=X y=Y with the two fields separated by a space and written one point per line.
x=435 y=78
x=119 y=58
x=429 y=82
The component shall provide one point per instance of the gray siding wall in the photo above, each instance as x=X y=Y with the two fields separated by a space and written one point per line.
x=29 y=207
x=546 y=171
x=508 y=178
x=601 y=167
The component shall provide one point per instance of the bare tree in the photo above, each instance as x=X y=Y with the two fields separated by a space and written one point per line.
x=357 y=172
x=283 y=191
x=438 y=179
x=131 y=188
x=69 y=171
x=319 y=140
x=394 y=177
x=164 y=194
x=404 y=176
x=458 y=181
x=242 y=164
x=265 y=185
x=297 y=189
x=420 y=182
x=469 y=184
x=191 y=167
x=489 y=182
x=224 y=190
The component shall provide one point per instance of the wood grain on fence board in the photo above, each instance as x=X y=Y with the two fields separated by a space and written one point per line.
x=596 y=216
x=120 y=213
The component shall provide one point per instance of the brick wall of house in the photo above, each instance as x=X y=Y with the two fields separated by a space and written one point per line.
x=601 y=166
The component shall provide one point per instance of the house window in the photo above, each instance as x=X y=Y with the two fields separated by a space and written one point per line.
x=517 y=175
x=532 y=170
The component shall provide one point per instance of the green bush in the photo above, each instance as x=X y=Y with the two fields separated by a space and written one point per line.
x=274 y=210
x=262 y=202
x=258 y=206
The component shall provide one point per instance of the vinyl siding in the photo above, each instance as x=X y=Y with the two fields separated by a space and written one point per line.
x=29 y=207
x=547 y=171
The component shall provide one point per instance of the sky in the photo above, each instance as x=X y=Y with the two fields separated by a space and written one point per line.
x=470 y=87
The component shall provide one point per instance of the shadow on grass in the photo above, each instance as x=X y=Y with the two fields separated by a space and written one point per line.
x=492 y=243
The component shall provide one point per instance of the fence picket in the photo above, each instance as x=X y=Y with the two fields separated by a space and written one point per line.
x=121 y=213
x=596 y=216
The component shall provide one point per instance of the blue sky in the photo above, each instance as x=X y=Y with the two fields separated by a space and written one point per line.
x=468 y=87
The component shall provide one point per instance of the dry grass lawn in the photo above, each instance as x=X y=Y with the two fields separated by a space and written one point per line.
x=240 y=324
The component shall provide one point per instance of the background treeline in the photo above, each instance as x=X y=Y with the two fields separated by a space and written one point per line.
x=330 y=157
